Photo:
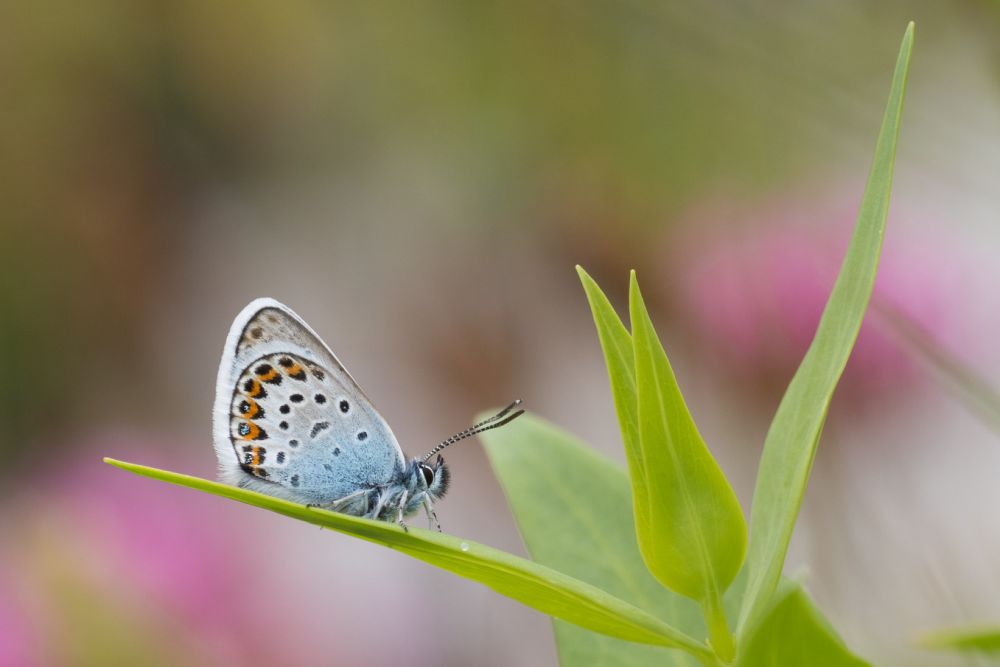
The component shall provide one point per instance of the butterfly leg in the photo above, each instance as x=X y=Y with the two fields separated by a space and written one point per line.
x=402 y=506
x=339 y=503
x=432 y=517
x=383 y=499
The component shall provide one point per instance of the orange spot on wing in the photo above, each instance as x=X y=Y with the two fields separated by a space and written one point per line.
x=252 y=409
x=268 y=376
x=255 y=389
x=252 y=432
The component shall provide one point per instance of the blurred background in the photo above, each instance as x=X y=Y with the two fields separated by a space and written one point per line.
x=418 y=182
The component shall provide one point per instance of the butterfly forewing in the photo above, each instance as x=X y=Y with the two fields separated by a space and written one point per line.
x=272 y=325
x=294 y=417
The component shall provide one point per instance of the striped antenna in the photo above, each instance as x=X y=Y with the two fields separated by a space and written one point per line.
x=499 y=419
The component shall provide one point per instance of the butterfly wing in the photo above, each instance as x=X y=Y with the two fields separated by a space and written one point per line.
x=289 y=420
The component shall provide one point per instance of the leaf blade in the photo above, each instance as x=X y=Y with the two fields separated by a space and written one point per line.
x=793 y=632
x=791 y=443
x=696 y=537
x=619 y=357
x=534 y=585
x=573 y=509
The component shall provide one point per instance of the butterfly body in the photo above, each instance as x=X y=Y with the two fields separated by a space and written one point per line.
x=291 y=422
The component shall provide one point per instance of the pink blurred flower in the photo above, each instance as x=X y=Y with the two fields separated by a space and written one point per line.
x=122 y=569
x=751 y=286
x=20 y=640
x=175 y=570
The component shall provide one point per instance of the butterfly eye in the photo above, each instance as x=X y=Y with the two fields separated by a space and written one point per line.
x=428 y=473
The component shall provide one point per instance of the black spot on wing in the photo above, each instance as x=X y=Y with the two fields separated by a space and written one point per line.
x=267 y=373
x=253 y=388
x=317 y=428
x=250 y=409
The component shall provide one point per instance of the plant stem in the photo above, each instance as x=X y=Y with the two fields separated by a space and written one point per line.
x=719 y=636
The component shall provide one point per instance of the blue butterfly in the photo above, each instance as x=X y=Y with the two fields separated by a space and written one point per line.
x=291 y=422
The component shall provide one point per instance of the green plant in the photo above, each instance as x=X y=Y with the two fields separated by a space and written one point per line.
x=985 y=640
x=685 y=585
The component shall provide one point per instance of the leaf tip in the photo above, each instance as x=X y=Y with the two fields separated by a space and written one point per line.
x=906 y=46
x=634 y=295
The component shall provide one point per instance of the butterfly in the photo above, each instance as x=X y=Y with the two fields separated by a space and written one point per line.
x=291 y=422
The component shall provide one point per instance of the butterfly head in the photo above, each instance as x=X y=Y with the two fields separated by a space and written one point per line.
x=432 y=478
x=424 y=476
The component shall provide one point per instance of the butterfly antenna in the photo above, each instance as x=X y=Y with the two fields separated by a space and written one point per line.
x=501 y=418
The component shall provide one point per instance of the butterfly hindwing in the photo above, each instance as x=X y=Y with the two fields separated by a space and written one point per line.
x=289 y=419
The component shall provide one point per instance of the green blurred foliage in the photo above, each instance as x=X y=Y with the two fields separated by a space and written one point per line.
x=589 y=124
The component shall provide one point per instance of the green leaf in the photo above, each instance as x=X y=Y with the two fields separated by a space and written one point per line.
x=620 y=360
x=696 y=538
x=690 y=528
x=794 y=434
x=573 y=508
x=964 y=640
x=689 y=523
x=534 y=585
x=793 y=632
